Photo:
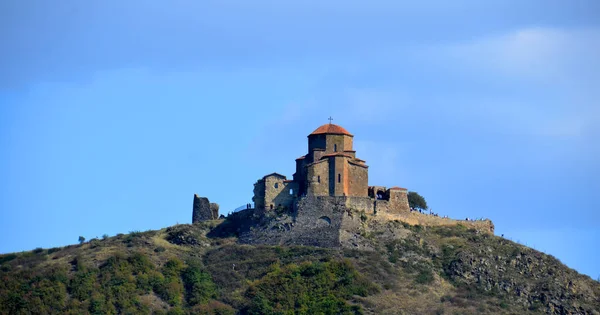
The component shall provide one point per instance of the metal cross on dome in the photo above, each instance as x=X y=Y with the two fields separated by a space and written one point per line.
x=330 y=119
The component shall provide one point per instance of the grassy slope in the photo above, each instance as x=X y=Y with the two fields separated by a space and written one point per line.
x=179 y=270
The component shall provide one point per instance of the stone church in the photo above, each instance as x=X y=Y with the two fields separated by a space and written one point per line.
x=327 y=202
x=330 y=168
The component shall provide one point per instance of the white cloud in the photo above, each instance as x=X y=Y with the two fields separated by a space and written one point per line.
x=534 y=52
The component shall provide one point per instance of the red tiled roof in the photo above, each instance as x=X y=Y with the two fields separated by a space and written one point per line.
x=288 y=180
x=358 y=164
x=336 y=154
x=397 y=188
x=330 y=129
x=302 y=157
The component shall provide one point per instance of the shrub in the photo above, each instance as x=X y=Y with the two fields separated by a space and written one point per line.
x=159 y=249
x=54 y=250
x=38 y=250
x=425 y=276
x=416 y=201
x=105 y=236
x=198 y=285
x=363 y=216
x=7 y=258
x=81 y=239
x=310 y=288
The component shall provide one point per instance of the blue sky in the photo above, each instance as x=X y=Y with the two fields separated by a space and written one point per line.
x=113 y=114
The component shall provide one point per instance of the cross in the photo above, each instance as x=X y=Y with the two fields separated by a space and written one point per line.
x=330 y=119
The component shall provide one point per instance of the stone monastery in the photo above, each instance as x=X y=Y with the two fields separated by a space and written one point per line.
x=328 y=202
x=330 y=168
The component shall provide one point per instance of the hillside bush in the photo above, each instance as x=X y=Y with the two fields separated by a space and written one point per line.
x=309 y=288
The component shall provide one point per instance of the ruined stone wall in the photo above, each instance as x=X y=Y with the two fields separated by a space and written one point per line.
x=318 y=178
x=259 y=195
x=374 y=189
x=277 y=193
x=203 y=210
x=358 y=180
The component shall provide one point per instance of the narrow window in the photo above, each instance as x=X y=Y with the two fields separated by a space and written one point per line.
x=271 y=206
x=291 y=191
x=339 y=178
x=318 y=179
x=276 y=185
x=335 y=148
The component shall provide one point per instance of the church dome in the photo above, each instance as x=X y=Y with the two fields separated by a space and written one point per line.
x=331 y=129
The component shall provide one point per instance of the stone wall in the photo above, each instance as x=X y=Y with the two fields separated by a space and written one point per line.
x=399 y=200
x=317 y=221
x=316 y=142
x=336 y=180
x=328 y=221
x=203 y=210
x=361 y=204
x=318 y=178
x=279 y=192
x=358 y=180
x=416 y=218
x=259 y=195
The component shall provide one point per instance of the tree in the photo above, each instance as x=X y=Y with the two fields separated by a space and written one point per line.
x=81 y=239
x=416 y=201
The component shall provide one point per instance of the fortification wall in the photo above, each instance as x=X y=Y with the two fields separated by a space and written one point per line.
x=327 y=221
x=415 y=218
x=316 y=222
x=397 y=209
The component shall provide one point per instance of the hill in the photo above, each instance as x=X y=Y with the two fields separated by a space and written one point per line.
x=399 y=269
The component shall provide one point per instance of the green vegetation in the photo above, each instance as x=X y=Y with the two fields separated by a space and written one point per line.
x=309 y=288
x=399 y=269
x=416 y=201
x=81 y=239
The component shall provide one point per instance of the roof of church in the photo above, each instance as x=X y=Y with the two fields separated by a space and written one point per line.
x=331 y=129
x=336 y=154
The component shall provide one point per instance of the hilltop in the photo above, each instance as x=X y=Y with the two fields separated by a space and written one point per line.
x=203 y=268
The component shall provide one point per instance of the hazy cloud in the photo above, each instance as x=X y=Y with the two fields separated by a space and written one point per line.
x=542 y=53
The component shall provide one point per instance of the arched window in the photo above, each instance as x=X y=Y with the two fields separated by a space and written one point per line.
x=339 y=178
x=291 y=191
x=318 y=179
x=335 y=148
